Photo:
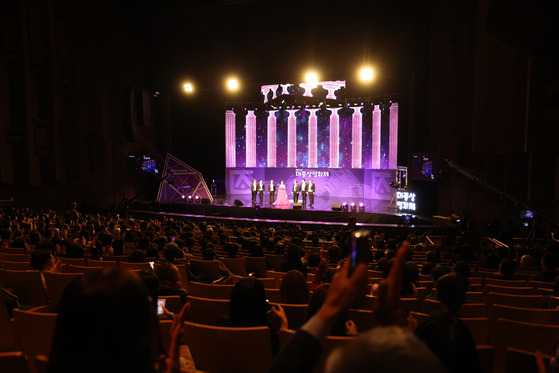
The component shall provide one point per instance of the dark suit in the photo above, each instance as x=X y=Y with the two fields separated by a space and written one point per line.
x=254 y=190
x=296 y=189
x=261 y=189
x=272 y=191
x=304 y=187
x=311 y=188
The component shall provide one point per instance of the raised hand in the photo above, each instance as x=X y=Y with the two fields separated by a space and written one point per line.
x=389 y=289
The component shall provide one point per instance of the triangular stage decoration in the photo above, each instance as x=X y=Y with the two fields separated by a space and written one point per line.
x=182 y=183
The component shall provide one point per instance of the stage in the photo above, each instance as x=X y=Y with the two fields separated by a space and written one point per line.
x=377 y=212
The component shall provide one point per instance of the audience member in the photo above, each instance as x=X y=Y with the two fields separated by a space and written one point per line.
x=294 y=288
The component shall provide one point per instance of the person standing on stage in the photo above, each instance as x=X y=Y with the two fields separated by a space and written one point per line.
x=310 y=191
x=254 y=190
x=304 y=192
x=296 y=189
x=282 y=200
x=261 y=189
x=272 y=191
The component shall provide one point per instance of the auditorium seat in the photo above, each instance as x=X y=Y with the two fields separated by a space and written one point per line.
x=486 y=357
x=206 y=310
x=74 y=261
x=107 y=264
x=524 y=301
x=14 y=250
x=14 y=257
x=199 y=289
x=15 y=266
x=223 y=350
x=467 y=310
x=56 y=284
x=329 y=344
x=509 y=283
x=531 y=315
x=272 y=295
x=115 y=258
x=236 y=265
x=79 y=269
x=27 y=285
x=521 y=361
x=541 y=285
x=35 y=329
x=278 y=277
x=363 y=319
x=295 y=314
x=478 y=326
x=257 y=265
x=521 y=335
x=127 y=266
x=209 y=268
x=509 y=290
x=13 y=362
x=267 y=282
x=276 y=260
x=475 y=297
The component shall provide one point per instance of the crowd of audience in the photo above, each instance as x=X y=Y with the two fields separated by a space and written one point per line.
x=115 y=303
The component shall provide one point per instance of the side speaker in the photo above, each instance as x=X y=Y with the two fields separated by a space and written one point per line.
x=336 y=207
x=205 y=201
x=238 y=203
x=297 y=206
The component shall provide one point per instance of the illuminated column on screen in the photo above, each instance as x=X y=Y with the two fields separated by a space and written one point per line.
x=376 y=137
x=272 y=139
x=312 y=138
x=291 y=139
x=230 y=138
x=393 y=150
x=251 y=139
x=334 y=138
x=356 y=140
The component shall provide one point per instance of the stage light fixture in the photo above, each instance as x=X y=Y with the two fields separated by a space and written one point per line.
x=232 y=84
x=189 y=199
x=197 y=199
x=311 y=77
x=188 y=87
x=353 y=207
x=361 y=207
x=366 y=74
x=183 y=196
x=344 y=206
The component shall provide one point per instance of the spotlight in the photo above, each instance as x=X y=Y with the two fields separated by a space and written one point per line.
x=183 y=196
x=366 y=74
x=344 y=206
x=232 y=84
x=353 y=207
x=189 y=199
x=197 y=199
x=311 y=77
x=361 y=207
x=188 y=88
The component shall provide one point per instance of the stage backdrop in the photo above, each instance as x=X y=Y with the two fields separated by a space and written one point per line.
x=351 y=183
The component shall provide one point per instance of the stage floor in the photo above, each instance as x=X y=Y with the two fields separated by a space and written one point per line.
x=321 y=213
x=320 y=203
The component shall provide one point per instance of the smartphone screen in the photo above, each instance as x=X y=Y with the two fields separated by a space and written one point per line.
x=161 y=306
x=359 y=248
x=151 y=264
